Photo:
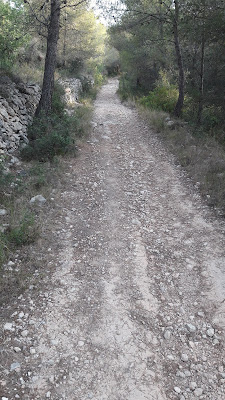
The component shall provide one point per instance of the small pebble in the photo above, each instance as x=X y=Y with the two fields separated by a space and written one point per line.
x=167 y=335
x=177 y=389
x=8 y=326
x=191 y=328
x=198 y=392
x=193 y=385
x=210 y=332
x=14 y=366
x=184 y=357
x=17 y=349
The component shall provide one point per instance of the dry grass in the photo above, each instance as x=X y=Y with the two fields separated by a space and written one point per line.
x=202 y=157
x=28 y=73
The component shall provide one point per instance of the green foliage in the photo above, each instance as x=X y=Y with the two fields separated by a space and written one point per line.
x=126 y=87
x=58 y=103
x=49 y=136
x=144 y=37
x=5 y=177
x=98 y=76
x=23 y=232
x=163 y=97
x=12 y=33
x=211 y=117
x=55 y=134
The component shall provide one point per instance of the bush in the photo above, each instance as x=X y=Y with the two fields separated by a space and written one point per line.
x=161 y=98
x=49 y=136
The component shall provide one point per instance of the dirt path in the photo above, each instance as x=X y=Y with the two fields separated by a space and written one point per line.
x=135 y=307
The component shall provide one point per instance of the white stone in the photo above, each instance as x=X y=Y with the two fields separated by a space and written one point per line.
x=198 y=392
x=38 y=199
x=191 y=328
x=210 y=332
x=177 y=389
x=193 y=385
x=8 y=327
x=15 y=161
x=3 y=211
x=167 y=335
x=17 y=349
x=184 y=357
x=24 y=333
x=14 y=366
x=32 y=350
x=21 y=314
x=80 y=343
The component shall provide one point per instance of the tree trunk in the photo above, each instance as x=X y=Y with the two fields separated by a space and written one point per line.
x=64 y=41
x=45 y=103
x=180 y=101
x=202 y=73
x=201 y=86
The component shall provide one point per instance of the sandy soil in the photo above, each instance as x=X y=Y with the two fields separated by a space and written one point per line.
x=133 y=304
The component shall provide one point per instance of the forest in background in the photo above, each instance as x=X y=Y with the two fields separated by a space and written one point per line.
x=172 y=57
x=23 y=38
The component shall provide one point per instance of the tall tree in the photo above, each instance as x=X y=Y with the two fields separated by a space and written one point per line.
x=180 y=101
x=52 y=22
x=45 y=103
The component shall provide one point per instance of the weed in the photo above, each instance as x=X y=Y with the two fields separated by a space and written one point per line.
x=23 y=232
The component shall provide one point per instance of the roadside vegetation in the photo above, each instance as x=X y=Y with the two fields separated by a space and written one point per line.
x=201 y=156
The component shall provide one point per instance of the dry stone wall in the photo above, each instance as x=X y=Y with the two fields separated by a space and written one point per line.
x=73 y=88
x=18 y=102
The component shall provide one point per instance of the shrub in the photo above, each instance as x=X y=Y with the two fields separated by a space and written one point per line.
x=161 y=98
x=49 y=136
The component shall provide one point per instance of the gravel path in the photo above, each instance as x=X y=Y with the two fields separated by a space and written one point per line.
x=135 y=307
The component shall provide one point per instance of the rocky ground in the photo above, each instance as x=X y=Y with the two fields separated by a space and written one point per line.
x=130 y=303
